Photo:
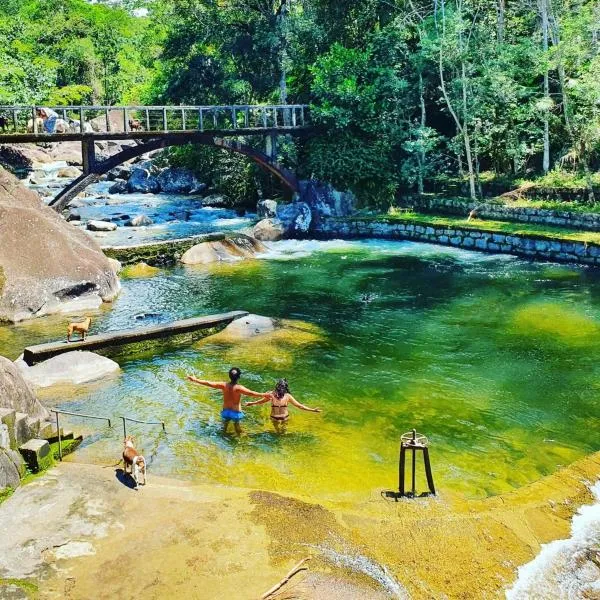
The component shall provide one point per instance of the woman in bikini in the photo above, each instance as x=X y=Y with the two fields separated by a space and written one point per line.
x=280 y=398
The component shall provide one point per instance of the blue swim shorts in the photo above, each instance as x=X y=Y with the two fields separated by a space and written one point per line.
x=232 y=415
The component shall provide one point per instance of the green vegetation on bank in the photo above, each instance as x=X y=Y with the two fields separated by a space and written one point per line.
x=401 y=92
x=542 y=231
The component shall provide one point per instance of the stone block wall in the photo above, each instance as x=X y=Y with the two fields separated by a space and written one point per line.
x=556 y=218
x=469 y=239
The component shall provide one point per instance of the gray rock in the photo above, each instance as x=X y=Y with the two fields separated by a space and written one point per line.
x=69 y=172
x=101 y=226
x=216 y=200
x=73 y=216
x=41 y=255
x=9 y=474
x=118 y=187
x=177 y=181
x=249 y=326
x=18 y=461
x=140 y=221
x=268 y=230
x=296 y=218
x=266 y=209
x=325 y=201
x=37 y=455
x=15 y=393
x=71 y=367
x=142 y=181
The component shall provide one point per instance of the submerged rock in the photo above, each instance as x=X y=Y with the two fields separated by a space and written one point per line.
x=268 y=230
x=69 y=368
x=15 y=393
x=41 y=256
x=229 y=249
x=140 y=270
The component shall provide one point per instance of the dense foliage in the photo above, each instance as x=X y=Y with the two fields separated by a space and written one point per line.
x=402 y=90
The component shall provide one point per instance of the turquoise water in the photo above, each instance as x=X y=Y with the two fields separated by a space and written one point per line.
x=492 y=357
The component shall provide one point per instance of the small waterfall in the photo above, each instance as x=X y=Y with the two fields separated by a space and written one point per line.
x=565 y=569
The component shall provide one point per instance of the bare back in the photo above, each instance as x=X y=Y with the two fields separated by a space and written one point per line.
x=232 y=396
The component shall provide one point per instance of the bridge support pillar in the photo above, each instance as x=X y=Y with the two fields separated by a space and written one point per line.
x=88 y=151
x=271 y=146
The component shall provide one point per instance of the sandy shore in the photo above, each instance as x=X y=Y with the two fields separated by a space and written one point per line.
x=80 y=532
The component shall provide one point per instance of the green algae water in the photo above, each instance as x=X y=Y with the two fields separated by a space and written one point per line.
x=492 y=357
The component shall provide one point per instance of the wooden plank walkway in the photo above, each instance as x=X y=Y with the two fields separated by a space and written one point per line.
x=36 y=354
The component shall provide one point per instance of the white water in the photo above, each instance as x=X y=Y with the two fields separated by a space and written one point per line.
x=565 y=569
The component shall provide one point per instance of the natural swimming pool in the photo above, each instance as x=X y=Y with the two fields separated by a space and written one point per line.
x=492 y=357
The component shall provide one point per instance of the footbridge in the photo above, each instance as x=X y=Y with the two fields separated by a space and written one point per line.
x=149 y=128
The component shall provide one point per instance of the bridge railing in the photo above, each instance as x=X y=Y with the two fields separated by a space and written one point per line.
x=132 y=119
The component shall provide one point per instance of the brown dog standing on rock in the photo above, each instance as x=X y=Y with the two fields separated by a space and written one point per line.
x=134 y=460
x=81 y=328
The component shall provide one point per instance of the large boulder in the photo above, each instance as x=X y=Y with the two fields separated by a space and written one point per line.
x=229 y=249
x=325 y=201
x=101 y=226
x=118 y=187
x=45 y=262
x=268 y=230
x=216 y=200
x=249 y=326
x=69 y=368
x=266 y=209
x=15 y=393
x=140 y=221
x=177 y=181
x=142 y=181
x=69 y=172
x=296 y=218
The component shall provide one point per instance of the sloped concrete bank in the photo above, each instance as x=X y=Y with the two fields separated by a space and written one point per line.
x=531 y=246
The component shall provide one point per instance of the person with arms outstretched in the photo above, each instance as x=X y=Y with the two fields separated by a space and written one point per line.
x=232 y=397
x=280 y=398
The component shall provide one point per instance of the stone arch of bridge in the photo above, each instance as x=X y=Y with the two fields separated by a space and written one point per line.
x=94 y=169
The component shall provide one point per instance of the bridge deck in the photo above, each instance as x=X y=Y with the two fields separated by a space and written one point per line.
x=36 y=354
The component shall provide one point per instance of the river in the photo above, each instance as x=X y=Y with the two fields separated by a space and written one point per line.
x=492 y=357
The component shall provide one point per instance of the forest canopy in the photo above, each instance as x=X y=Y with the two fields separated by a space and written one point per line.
x=402 y=91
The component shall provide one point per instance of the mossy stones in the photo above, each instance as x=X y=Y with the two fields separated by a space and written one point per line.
x=37 y=455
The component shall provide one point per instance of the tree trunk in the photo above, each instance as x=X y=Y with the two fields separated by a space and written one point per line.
x=543 y=4
x=501 y=20
x=421 y=153
x=282 y=21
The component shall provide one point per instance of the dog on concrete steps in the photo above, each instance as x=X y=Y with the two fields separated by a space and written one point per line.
x=81 y=328
x=134 y=461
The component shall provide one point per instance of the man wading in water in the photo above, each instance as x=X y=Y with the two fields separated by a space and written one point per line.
x=232 y=397
x=280 y=398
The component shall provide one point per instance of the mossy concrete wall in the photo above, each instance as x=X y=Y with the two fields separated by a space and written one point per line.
x=500 y=212
x=531 y=246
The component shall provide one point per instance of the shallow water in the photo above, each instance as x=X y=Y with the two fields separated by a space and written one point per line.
x=492 y=357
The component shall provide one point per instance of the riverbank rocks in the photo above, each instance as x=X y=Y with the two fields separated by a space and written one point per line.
x=295 y=217
x=15 y=393
x=9 y=473
x=142 y=181
x=216 y=201
x=74 y=368
x=177 y=181
x=266 y=209
x=101 y=226
x=268 y=230
x=118 y=187
x=45 y=262
x=140 y=270
x=69 y=172
x=325 y=201
x=228 y=249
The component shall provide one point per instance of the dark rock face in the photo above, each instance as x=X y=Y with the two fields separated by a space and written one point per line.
x=118 y=187
x=41 y=255
x=296 y=218
x=324 y=201
x=177 y=181
x=142 y=182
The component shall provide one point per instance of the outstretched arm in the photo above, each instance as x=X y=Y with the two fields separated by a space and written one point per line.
x=247 y=392
x=261 y=401
x=301 y=406
x=217 y=385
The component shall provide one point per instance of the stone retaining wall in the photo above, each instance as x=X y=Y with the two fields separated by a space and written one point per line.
x=471 y=239
x=556 y=218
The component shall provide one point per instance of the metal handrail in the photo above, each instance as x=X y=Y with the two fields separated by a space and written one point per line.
x=125 y=419
x=73 y=414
